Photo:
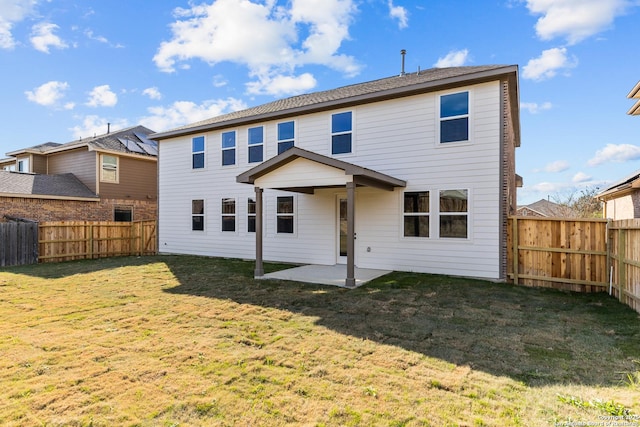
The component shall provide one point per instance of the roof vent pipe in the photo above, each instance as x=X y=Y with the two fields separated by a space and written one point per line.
x=403 y=52
x=108 y=128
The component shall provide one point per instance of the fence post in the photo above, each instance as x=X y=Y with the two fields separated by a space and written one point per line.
x=622 y=273
x=515 y=242
x=90 y=241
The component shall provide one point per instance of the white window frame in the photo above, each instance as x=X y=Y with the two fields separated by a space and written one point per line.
x=203 y=152
x=469 y=117
x=286 y=214
x=352 y=132
x=250 y=145
x=234 y=148
x=279 y=141
x=249 y=214
x=224 y=214
x=466 y=214
x=428 y=214
x=103 y=178
x=202 y=215
x=23 y=165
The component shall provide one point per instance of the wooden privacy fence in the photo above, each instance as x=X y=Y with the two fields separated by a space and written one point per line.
x=70 y=240
x=583 y=255
x=18 y=243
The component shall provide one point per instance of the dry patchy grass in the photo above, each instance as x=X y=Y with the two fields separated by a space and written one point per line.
x=177 y=340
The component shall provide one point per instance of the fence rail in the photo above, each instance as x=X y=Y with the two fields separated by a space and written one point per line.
x=581 y=255
x=70 y=240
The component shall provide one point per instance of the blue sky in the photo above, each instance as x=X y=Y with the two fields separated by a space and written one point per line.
x=69 y=67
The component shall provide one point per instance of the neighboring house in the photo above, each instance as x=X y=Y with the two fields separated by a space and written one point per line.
x=622 y=198
x=105 y=178
x=635 y=94
x=545 y=209
x=414 y=172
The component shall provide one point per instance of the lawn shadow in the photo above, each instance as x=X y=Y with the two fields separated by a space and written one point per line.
x=537 y=336
x=57 y=270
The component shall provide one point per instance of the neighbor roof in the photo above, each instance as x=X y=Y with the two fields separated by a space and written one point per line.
x=626 y=183
x=377 y=90
x=63 y=186
x=547 y=208
x=635 y=93
x=132 y=140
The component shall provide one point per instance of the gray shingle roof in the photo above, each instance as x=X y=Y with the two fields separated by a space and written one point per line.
x=64 y=185
x=386 y=88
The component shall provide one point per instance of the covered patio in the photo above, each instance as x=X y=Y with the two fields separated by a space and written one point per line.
x=303 y=171
x=326 y=274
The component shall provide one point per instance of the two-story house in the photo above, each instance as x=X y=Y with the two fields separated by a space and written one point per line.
x=414 y=172
x=105 y=178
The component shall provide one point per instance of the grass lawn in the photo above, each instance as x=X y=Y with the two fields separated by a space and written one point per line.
x=180 y=340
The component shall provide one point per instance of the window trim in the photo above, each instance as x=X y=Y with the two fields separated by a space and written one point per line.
x=466 y=214
x=116 y=180
x=255 y=145
x=279 y=141
x=250 y=214
x=224 y=214
x=427 y=214
x=223 y=148
x=287 y=214
x=340 y=133
x=203 y=152
x=440 y=119
x=201 y=215
x=122 y=209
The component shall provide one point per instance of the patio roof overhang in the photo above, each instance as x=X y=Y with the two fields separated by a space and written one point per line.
x=304 y=171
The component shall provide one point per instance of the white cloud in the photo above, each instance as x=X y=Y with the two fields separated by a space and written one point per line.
x=547 y=65
x=219 y=80
x=581 y=177
x=281 y=85
x=534 y=107
x=43 y=37
x=49 y=94
x=11 y=12
x=184 y=112
x=455 y=58
x=617 y=153
x=305 y=33
x=152 y=93
x=557 y=166
x=575 y=20
x=102 y=96
x=399 y=13
x=93 y=125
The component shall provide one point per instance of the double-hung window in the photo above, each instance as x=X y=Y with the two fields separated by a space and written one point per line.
x=251 y=215
x=416 y=214
x=23 y=165
x=454 y=213
x=454 y=117
x=228 y=214
x=197 y=152
x=109 y=170
x=286 y=136
x=285 y=215
x=341 y=133
x=197 y=215
x=256 y=144
x=228 y=148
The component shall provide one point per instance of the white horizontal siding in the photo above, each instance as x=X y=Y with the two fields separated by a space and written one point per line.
x=396 y=137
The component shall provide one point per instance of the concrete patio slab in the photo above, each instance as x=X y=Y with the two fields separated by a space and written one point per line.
x=326 y=274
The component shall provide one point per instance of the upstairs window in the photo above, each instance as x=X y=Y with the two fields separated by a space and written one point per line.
x=341 y=126
x=228 y=148
x=23 y=165
x=454 y=117
x=251 y=215
x=109 y=170
x=228 y=214
x=197 y=152
x=285 y=215
x=197 y=215
x=416 y=214
x=286 y=136
x=256 y=144
x=454 y=213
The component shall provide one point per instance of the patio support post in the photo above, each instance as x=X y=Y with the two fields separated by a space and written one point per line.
x=350 y=281
x=259 y=271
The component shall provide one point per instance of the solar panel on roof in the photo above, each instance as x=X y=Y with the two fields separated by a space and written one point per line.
x=142 y=137
x=131 y=145
x=149 y=149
